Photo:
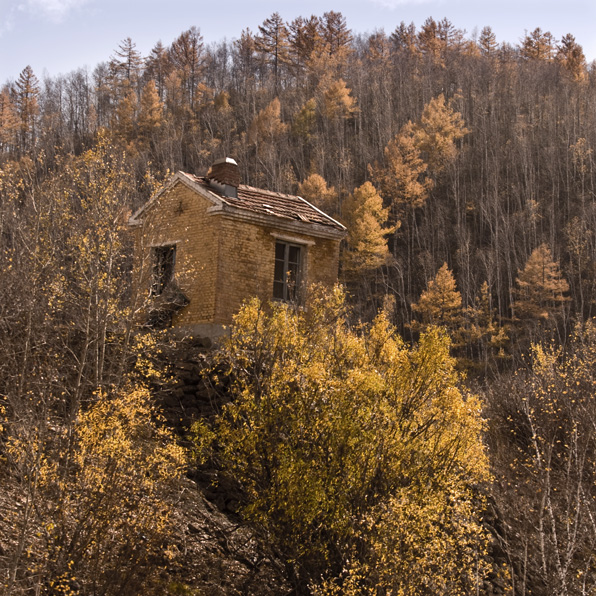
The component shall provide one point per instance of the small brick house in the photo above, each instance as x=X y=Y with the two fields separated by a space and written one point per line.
x=203 y=245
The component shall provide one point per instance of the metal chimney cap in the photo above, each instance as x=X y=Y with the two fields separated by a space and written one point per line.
x=225 y=160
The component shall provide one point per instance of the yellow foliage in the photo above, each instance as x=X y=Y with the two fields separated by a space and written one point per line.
x=403 y=178
x=99 y=494
x=366 y=220
x=440 y=303
x=354 y=450
x=437 y=131
x=540 y=287
x=335 y=100
x=267 y=126
x=315 y=190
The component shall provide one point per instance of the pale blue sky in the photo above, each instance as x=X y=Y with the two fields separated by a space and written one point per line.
x=58 y=36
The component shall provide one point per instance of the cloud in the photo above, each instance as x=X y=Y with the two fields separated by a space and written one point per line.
x=55 y=10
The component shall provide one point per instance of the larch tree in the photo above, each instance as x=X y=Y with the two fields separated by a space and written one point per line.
x=538 y=45
x=157 y=67
x=437 y=132
x=273 y=44
x=487 y=42
x=305 y=37
x=265 y=134
x=366 y=220
x=186 y=56
x=441 y=303
x=126 y=64
x=430 y=43
x=125 y=122
x=305 y=120
x=9 y=123
x=571 y=55
x=402 y=179
x=541 y=288
x=335 y=100
x=404 y=39
x=27 y=106
x=315 y=190
x=336 y=35
x=150 y=117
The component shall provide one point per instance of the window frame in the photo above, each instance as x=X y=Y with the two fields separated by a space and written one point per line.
x=291 y=290
x=163 y=267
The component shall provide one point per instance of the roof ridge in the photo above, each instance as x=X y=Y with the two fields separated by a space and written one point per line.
x=247 y=187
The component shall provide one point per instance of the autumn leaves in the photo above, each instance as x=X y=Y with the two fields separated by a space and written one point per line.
x=357 y=454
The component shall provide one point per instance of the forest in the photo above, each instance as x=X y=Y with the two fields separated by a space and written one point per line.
x=427 y=427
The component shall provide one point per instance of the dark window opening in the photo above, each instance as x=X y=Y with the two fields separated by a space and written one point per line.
x=164 y=259
x=287 y=275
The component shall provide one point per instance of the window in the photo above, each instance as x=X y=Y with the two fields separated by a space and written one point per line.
x=164 y=259
x=287 y=275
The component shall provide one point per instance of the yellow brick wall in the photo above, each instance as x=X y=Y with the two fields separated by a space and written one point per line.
x=220 y=261
x=180 y=217
x=247 y=261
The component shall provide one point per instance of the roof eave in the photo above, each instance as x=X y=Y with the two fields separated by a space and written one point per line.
x=179 y=177
x=276 y=221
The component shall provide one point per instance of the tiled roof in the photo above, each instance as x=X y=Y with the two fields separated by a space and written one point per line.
x=265 y=202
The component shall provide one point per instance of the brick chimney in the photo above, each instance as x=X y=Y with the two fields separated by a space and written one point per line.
x=224 y=177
